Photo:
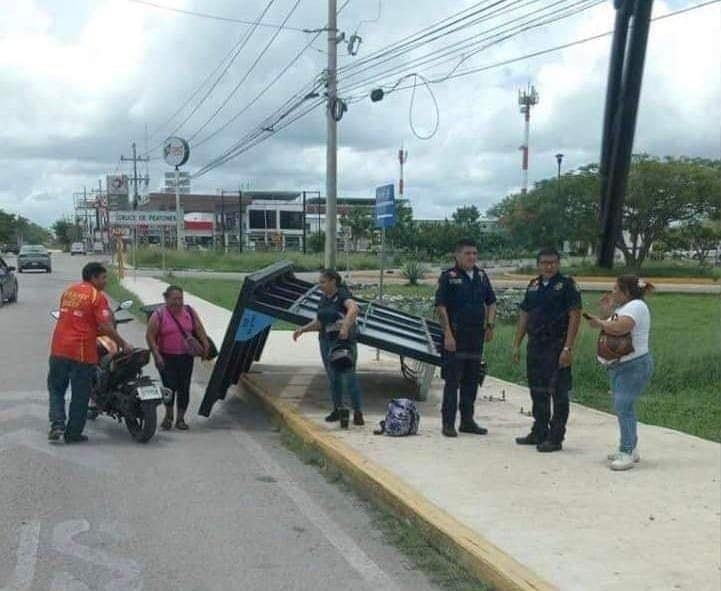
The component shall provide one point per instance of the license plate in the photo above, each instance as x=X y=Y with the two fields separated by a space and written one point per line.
x=149 y=392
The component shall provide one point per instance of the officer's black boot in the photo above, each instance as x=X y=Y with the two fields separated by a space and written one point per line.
x=529 y=439
x=333 y=417
x=549 y=446
x=449 y=431
x=472 y=427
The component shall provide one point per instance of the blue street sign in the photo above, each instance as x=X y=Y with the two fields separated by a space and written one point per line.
x=385 y=206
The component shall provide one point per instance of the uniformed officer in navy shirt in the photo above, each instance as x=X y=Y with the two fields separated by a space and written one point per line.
x=550 y=316
x=466 y=306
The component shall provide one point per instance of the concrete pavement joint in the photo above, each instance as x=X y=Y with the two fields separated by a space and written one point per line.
x=483 y=559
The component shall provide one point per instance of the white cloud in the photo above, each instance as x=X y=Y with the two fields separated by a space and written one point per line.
x=81 y=80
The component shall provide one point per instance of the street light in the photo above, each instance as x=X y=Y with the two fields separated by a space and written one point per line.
x=559 y=159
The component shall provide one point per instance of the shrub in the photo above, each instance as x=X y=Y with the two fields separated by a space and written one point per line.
x=413 y=271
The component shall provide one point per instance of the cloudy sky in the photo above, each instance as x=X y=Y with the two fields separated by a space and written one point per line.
x=81 y=80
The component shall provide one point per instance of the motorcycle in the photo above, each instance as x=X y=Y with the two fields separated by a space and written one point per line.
x=121 y=390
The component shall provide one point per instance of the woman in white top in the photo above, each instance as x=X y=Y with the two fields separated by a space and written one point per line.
x=630 y=374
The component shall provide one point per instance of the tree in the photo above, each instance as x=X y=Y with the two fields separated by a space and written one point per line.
x=467 y=216
x=549 y=214
x=66 y=233
x=661 y=192
x=360 y=222
x=316 y=242
x=401 y=234
x=697 y=237
x=17 y=229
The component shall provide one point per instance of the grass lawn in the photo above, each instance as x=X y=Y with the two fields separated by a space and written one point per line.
x=245 y=262
x=684 y=393
x=118 y=293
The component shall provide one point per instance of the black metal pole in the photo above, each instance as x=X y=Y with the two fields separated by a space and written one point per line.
x=624 y=127
x=240 y=220
x=613 y=88
x=222 y=217
x=304 y=236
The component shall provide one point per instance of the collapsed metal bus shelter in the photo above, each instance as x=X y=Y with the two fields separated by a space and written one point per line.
x=274 y=293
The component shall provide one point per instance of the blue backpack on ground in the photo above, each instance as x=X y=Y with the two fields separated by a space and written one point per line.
x=402 y=418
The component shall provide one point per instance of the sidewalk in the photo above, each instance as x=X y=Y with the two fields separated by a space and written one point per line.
x=565 y=516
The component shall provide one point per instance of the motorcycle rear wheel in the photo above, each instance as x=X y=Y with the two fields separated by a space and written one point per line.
x=143 y=423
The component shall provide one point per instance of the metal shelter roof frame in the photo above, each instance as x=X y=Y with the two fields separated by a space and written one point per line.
x=275 y=293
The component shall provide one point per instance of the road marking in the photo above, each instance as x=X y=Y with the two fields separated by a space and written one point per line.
x=127 y=574
x=83 y=455
x=353 y=554
x=27 y=556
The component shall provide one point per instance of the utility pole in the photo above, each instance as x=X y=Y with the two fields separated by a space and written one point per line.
x=222 y=220
x=402 y=159
x=304 y=232
x=526 y=99
x=331 y=154
x=240 y=220
x=135 y=178
x=625 y=74
x=85 y=207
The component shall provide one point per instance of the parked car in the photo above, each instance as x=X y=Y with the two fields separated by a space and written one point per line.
x=98 y=247
x=34 y=256
x=77 y=248
x=8 y=284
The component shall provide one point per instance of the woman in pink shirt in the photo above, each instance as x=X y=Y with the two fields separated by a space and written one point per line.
x=169 y=328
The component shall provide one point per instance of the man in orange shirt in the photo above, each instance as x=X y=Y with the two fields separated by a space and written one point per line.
x=84 y=314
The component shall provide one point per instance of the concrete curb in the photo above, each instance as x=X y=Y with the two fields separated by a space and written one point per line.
x=481 y=558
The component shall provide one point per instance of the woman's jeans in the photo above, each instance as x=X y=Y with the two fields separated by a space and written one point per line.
x=628 y=380
x=340 y=382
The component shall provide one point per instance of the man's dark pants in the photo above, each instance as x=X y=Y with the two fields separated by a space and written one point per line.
x=80 y=377
x=548 y=382
x=461 y=370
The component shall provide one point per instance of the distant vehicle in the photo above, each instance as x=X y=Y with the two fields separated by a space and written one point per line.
x=77 y=248
x=8 y=284
x=10 y=248
x=98 y=247
x=34 y=256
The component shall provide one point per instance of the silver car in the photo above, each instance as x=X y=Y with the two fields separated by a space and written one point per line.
x=34 y=256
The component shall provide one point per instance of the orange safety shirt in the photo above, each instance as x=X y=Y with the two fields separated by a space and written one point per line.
x=82 y=309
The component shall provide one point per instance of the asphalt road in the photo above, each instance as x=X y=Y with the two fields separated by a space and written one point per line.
x=222 y=506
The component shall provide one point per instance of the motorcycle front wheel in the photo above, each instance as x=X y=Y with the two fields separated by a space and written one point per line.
x=142 y=424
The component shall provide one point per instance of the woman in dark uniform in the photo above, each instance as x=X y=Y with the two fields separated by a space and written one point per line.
x=337 y=313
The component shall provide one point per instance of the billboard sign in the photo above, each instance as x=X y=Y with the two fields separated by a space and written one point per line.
x=117 y=189
x=142 y=218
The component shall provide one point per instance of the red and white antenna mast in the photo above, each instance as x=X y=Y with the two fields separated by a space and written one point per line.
x=526 y=99
x=402 y=159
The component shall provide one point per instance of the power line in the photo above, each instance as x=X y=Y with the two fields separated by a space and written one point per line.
x=235 y=53
x=541 y=52
x=246 y=75
x=210 y=76
x=219 y=18
x=270 y=125
x=404 y=42
x=469 y=46
x=260 y=94
x=256 y=138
